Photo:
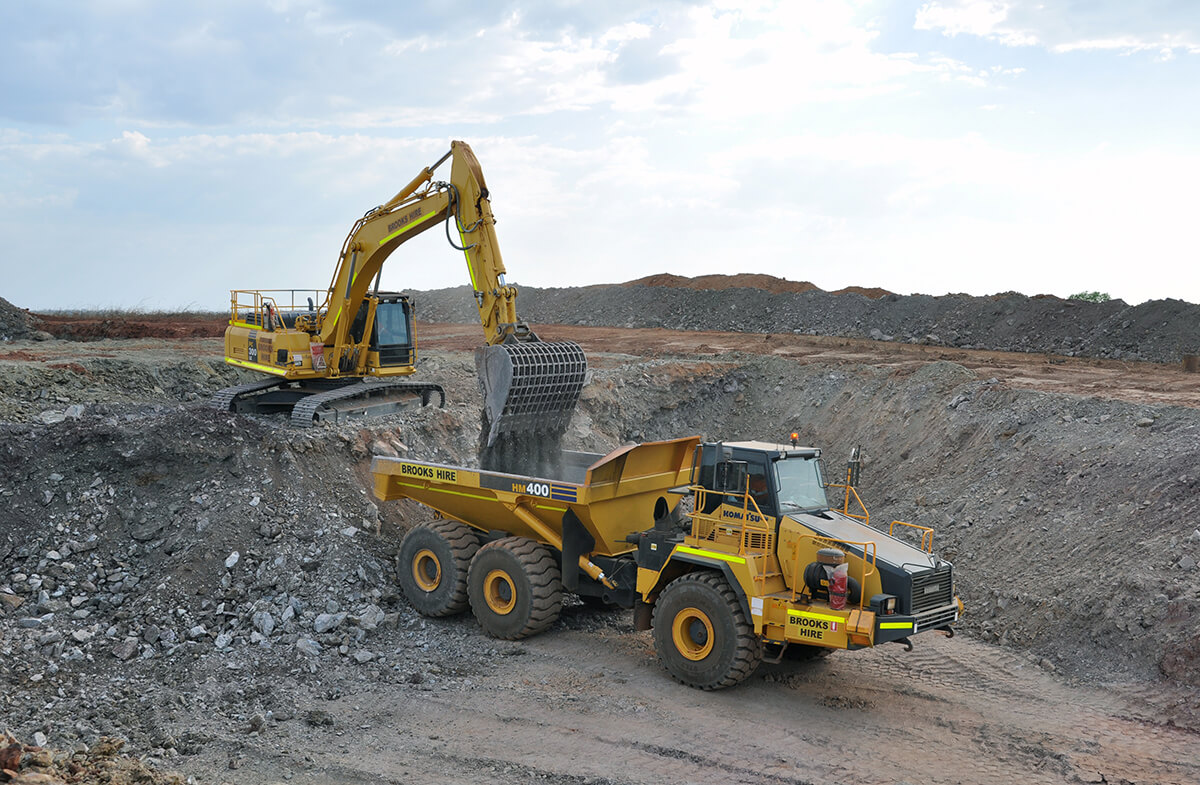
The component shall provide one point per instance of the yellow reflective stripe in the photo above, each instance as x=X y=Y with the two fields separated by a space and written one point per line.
x=246 y=324
x=443 y=490
x=408 y=226
x=811 y=615
x=257 y=367
x=470 y=269
x=895 y=625
x=711 y=555
x=467 y=254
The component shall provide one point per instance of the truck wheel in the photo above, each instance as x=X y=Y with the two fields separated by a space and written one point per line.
x=515 y=587
x=432 y=566
x=701 y=633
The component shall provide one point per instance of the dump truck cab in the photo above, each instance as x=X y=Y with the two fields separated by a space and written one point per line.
x=804 y=575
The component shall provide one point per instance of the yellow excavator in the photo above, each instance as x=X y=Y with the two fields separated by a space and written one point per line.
x=349 y=356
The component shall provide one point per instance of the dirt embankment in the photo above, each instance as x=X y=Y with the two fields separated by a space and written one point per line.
x=1156 y=331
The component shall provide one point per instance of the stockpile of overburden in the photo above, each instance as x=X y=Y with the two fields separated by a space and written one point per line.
x=14 y=322
x=1154 y=331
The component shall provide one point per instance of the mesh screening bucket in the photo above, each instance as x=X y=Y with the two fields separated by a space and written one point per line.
x=530 y=387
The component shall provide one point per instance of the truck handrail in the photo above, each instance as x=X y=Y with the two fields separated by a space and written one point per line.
x=850 y=489
x=753 y=537
x=926 y=534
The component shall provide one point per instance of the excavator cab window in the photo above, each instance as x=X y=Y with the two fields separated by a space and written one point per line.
x=392 y=323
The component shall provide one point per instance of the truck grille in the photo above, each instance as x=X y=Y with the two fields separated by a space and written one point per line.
x=938 y=617
x=931 y=590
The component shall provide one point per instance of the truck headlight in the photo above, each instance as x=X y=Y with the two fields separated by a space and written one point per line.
x=883 y=604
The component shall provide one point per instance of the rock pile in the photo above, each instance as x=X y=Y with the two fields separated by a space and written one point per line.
x=16 y=323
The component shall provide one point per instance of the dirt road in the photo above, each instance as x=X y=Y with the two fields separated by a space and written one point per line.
x=1135 y=382
x=592 y=706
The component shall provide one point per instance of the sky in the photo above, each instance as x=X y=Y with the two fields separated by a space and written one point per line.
x=155 y=155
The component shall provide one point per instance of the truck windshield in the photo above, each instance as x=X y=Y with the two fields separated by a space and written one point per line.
x=800 y=485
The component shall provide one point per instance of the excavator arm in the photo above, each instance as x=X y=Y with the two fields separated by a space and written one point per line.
x=418 y=207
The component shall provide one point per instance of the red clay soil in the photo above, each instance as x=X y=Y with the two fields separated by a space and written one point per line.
x=873 y=292
x=182 y=325
x=742 y=281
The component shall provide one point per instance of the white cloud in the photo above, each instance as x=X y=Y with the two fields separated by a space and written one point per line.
x=1102 y=25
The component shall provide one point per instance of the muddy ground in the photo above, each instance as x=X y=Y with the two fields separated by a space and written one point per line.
x=218 y=590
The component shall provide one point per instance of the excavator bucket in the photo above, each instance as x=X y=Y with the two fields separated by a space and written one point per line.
x=530 y=387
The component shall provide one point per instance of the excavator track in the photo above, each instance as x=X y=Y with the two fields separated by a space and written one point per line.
x=223 y=400
x=308 y=410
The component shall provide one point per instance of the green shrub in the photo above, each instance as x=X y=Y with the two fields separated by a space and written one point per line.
x=1091 y=297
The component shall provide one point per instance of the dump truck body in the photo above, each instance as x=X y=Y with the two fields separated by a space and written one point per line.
x=762 y=566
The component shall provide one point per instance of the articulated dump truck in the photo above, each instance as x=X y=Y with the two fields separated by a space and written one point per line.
x=729 y=551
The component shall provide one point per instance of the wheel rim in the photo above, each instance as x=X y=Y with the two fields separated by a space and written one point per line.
x=692 y=632
x=427 y=570
x=499 y=592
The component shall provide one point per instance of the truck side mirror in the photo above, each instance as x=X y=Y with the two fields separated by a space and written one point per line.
x=731 y=477
x=854 y=467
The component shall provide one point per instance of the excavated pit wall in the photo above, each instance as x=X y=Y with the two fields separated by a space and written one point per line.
x=1073 y=521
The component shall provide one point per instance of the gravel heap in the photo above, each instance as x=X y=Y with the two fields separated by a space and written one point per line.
x=1155 y=331
x=15 y=322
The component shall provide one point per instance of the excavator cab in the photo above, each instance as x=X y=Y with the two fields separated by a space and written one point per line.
x=393 y=340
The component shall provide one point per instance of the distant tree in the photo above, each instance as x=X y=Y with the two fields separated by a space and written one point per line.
x=1091 y=297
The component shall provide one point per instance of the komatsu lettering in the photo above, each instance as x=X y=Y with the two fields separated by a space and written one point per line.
x=739 y=516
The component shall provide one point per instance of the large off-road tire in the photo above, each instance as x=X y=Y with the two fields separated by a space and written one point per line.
x=515 y=586
x=701 y=634
x=432 y=566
